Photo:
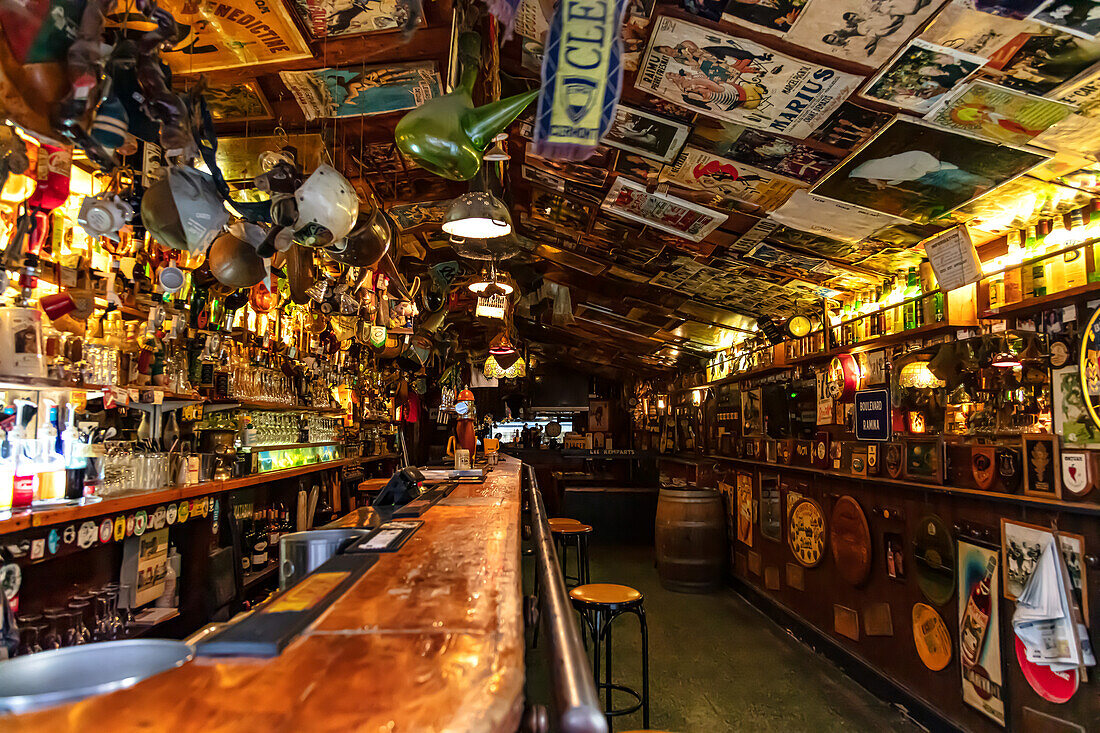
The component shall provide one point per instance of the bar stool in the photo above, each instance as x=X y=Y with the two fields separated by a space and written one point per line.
x=599 y=605
x=568 y=532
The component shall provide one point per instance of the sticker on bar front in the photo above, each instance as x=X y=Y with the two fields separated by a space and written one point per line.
x=38 y=548
x=200 y=507
x=69 y=535
x=106 y=531
x=86 y=536
x=308 y=593
x=120 y=528
x=184 y=512
x=157 y=520
x=53 y=541
x=130 y=526
x=141 y=521
x=170 y=514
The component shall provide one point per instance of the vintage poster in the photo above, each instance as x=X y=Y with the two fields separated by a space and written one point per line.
x=630 y=200
x=239 y=157
x=326 y=18
x=962 y=27
x=591 y=172
x=739 y=81
x=1083 y=92
x=980 y=630
x=369 y=90
x=771 y=508
x=410 y=216
x=702 y=171
x=763 y=150
x=823 y=216
x=228 y=34
x=1007 y=8
x=1075 y=134
x=997 y=113
x=1079 y=17
x=865 y=31
x=798 y=264
x=921 y=75
x=775 y=16
x=744 y=508
x=639 y=14
x=238 y=102
x=1040 y=62
x=914 y=170
x=1071 y=417
x=849 y=126
x=646 y=134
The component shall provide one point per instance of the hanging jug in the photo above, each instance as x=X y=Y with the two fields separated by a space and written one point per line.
x=447 y=135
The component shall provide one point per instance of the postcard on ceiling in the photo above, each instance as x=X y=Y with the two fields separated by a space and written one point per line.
x=921 y=75
x=999 y=114
x=867 y=32
x=736 y=80
x=630 y=200
x=702 y=171
x=920 y=172
x=370 y=90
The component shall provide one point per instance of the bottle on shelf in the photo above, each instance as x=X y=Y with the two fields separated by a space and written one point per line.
x=1027 y=272
x=1013 y=276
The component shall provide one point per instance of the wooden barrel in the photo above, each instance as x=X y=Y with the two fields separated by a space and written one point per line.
x=691 y=540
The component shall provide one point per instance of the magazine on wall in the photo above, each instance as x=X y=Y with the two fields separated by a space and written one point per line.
x=736 y=80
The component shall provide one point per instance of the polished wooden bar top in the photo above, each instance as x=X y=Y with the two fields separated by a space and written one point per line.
x=430 y=639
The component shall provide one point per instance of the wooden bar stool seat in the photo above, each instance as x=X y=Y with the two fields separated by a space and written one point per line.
x=599 y=605
x=570 y=532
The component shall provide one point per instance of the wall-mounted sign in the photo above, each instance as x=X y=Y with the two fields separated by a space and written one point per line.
x=1090 y=365
x=873 y=415
x=843 y=377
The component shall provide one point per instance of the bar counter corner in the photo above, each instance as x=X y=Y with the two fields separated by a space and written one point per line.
x=430 y=639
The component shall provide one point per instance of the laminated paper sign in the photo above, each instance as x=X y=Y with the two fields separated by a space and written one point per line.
x=732 y=79
x=954 y=258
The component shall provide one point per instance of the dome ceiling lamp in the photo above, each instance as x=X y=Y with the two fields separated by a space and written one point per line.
x=478 y=215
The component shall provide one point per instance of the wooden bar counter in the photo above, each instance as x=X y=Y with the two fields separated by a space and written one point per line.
x=430 y=639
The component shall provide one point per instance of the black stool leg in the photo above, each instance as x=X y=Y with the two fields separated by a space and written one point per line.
x=640 y=613
x=597 y=641
x=584 y=544
x=581 y=579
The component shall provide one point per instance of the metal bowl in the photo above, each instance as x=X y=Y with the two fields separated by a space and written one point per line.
x=61 y=676
x=300 y=553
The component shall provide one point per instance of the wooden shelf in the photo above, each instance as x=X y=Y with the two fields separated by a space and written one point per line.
x=1035 y=501
x=252 y=579
x=1054 y=300
x=26 y=519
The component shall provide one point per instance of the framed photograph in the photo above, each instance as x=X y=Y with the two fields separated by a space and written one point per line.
x=920 y=172
x=684 y=219
x=422 y=213
x=1022 y=545
x=325 y=18
x=921 y=75
x=924 y=460
x=637 y=131
x=863 y=31
x=240 y=102
x=1042 y=468
x=722 y=178
x=599 y=416
x=1077 y=17
x=752 y=412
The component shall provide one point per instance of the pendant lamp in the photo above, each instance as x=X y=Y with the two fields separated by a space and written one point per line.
x=498 y=153
x=478 y=215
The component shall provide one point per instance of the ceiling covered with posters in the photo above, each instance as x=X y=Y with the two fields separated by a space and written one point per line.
x=762 y=155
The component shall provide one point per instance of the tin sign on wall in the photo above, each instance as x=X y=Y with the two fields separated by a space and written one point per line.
x=873 y=414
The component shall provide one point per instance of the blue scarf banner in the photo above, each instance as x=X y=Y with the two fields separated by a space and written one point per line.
x=582 y=76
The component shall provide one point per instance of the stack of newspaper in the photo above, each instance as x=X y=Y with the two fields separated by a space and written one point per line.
x=1047 y=619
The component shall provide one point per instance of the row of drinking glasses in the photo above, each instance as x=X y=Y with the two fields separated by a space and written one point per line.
x=100 y=614
x=124 y=468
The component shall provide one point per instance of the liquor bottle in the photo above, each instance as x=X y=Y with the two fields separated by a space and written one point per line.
x=996 y=291
x=1039 y=278
x=1014 y=287
x=877 y=318
x=1074 y=271
x=246 y=545
x=911 y=290
x=259 y=544
x=975 y=621
x=1027 y=272
x=927 y=285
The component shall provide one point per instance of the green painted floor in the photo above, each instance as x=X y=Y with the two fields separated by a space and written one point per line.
x=718 y=664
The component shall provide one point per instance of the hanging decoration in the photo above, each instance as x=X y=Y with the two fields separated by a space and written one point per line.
x=582 y=76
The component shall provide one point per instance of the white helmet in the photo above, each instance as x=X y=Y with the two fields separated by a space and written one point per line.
x=327 y=208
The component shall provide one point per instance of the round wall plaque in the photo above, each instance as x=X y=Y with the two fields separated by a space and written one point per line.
x=850 y=540
x=806 y=532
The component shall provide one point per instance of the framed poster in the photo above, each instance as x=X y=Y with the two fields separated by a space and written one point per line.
x=723 y=179
x=980 y=630
x=637 y=131
x=999 y=114
x=917 y=171
x=744 y=508
x=369 y=90
x=227 y=34
x=864 y=31
x=921 y=75
x=599 y=416
x=676 y=216
x=752 y=412
x=1022 y=546
x=326 y=18
x=240 y=102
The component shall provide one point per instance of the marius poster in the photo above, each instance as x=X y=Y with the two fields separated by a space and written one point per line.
x=369 y=90
x=732 y=79
x=921 y=75
x=326 y=18
x=630 y=200
x=865 y=31
x=980 y=630
x=702 y=171
x=997 y=113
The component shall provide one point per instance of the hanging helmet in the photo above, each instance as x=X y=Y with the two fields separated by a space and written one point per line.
x=327 y=208
x=367 y=242
x=183 y=210
x=233 y=258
